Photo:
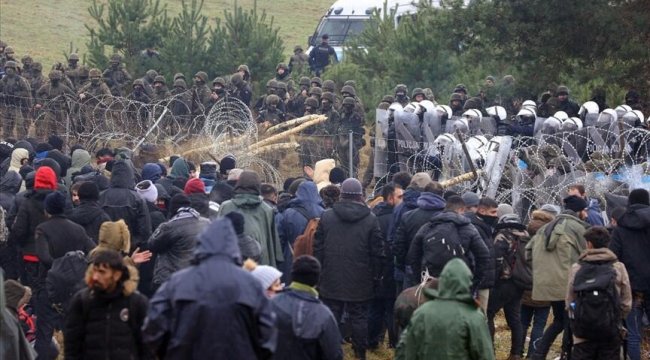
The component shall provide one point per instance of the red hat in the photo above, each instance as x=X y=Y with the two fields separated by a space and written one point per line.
x=45 y=178
x=194 y=186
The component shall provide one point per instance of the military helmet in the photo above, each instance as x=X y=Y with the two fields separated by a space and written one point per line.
x=508 y=80
x=272 y=84
x=316 y=80
x=328 y=96
x=350 y=83
x=159 y=79
x=11 y=64
x=218 y=80
x=347 y=89
x=151 y=73
x=304 y=81
x=83 y=72
x=137 y=82
x=456 y=96
x=297 y=47
x=281 y=66
x=281 y=85
x=26 y=59
x=348 y=101
x=311 y=102
x=116 y=58
x=94 y=72
x=236 y=79
x=329 y=85
x=315 y=91
x=179 y=76
x=37 y=66
x=9 y=50
x=73 y=56
x=55 y=75
x=562 y=90
x=181 y=83
x=473 y=103
x=272 y=99
x=3 y=44
x=202 y=75
x=401 y=88
x=460 y=88
x=417 y=91
x=243 y=68
x=389 y=99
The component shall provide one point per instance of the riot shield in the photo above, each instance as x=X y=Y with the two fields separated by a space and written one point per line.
x=590 y=119
x=456 y=123
x=488 y=126
x=431 y=127
x=538 y=125
x=381 y=143
x=496 y=165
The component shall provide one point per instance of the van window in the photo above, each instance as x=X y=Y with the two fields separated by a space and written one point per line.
x=339 y=29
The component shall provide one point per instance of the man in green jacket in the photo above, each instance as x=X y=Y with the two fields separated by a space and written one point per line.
x=451 y=326
x=553 y=251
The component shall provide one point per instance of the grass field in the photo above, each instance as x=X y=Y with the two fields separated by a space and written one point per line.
x=45 y=28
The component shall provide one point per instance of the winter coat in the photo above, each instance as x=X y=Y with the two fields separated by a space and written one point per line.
x=485 y=231
x=451 y=326
x=507 y=238
x=9 y=187
x=156 y=215
x=306 y=327
x=553 y=250
x=386 y=286
x=348 y=245
x=106 y=326
x=594 y=213
x=428 y=205
x=201 y=203
x=631 y=245
x=80 y=158
x=121 y=201
x=90 y=216
x=292 y=222
x=169 y=186
x=259 y=224
x=538 y=219
x=409 y=203
x=199 y=315
x=174 y=241
x=57 y=236
x=13 y=344
x=476 y=253
x=622 y=280
x=30 y=214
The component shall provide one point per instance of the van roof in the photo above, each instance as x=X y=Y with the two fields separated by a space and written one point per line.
x=365 y=7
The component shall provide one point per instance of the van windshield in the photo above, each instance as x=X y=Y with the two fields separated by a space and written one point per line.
x=339 y=29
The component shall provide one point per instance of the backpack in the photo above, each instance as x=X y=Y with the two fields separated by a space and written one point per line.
x=596 y=309
x=512 y=264
x=4 y=230
x=441 y=244
x=304 y=243
x=65 y=278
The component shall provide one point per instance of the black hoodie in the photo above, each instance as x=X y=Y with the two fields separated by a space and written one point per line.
x=9 y=187
x=89 y=215
x=631 y=244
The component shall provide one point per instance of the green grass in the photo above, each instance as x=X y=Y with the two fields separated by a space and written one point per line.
x=44 y=29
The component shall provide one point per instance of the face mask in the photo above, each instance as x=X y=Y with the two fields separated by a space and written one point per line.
x=54 y=82
x=94 y=81
x=73 y=64
x=326 y=105
x=10 y=71
x=115 y=65
x=137 y=90
x=490 y=220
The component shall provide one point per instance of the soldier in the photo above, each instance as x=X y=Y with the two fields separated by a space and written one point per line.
x=296 y=105
x=401 y=96
x=350 y=121
x=456 y=104
x=160 y=91
x=38 y=79
x=16 y=97
x=348 y=91
x=75 y=72
x=386 y=102
x=564 y=103
x=282 y=73
x=92 y=94
x=281 y=92
x=319 y=57
x=52 y=98
x=316 y=92
x=180 y=76
x=139 y=111
x=333 y=117
x=200 y=93
x=116 y=76
x=181 y=103
x=27 y=67
x=316 y=82
x=148 y=79
x=3 y=57
x=271 y=86
x=329 y=86
x=418 y=95
x=298 y=60
x=218 y=92
x=242 y=90
x=10 y=55
x=272 y=115
x=245 y=72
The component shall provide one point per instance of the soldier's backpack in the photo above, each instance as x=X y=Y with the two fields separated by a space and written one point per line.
x=441 y=244
x=304 y=243
x=65 y=278
x=595 y=314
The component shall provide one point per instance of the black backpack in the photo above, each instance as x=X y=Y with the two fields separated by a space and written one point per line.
x=441 y=244
x=65 y=278
x=596 y=310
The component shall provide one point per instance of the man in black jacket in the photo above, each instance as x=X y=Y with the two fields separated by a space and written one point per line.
x=484 y=221
x=307 y=327
x=319 y=57
x=348 y=244
x=631 y=245
x=88 y=214
x=104 y=320
x=54 y=238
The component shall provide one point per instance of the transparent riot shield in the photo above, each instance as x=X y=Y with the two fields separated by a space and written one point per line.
x=495 y=166
x=381 y=143
x=488 y=126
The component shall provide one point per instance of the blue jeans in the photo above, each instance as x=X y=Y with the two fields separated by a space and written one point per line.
x=538 y=316
x=380 y=318
x=634 y=324
x=559 y=325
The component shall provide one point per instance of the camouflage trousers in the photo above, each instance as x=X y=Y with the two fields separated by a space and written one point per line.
x=10 y=115
x=53 y=121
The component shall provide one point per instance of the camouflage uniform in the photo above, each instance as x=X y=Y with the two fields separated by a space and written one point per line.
x=350 y=121
x=138 y=110
x=149 y=78
x=242 y=90
x=272 y=115
x=181 y=102
x=116 y=76
x=95 y=97
x=51 y=98
x=16 y=96
x=160 y=91
x=38 y=79
x=27 y=68
x=298 y=61
x=75 y=72
x=200 y=93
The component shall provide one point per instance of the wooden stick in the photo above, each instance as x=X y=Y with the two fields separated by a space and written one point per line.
x=279 y=146
x=291 y=123
x=287 y=133
x=461 y=178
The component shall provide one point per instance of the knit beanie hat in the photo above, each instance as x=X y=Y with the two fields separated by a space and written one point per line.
x=234 y=174
x=54 y=203
x=266 y=275
x=639 y=196
x=351 y=186
x=237 y=221
x=575 y=203
x=208 y=170
x=45 y=178
x=551 y=209
x=147 y=191
x=115 y=235
x=194 y=186
x=178 y=201
x=248 y=183
x=419 y=181
x=470 y=199
x=509 y=219
x=226 y=164
x=151 y=171
x=88 y=190
x=337 y=175
x=504 y=209
x=56 y=142
x=306 y=270
x=293 y=188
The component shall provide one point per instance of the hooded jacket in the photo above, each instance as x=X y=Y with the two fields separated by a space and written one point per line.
x=121 y=201
x=386 y=287
x=56 y=236
x=80 y=158
x=292 y=222
x=15 y=163
x=9 y=186
x=174 y=241
x=322 y=170
x=631 y=245
x=90 y=216
x=348 y=244
x=485 y=231
x=451 y=326
x=553 y=250
x=197 y=315
x=151 y=172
